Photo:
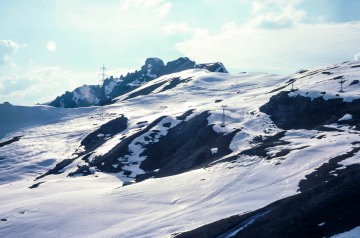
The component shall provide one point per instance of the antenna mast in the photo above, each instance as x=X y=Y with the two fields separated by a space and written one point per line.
x=342 y=81
x=102 y=89
x=103 y=73
x=223 y=116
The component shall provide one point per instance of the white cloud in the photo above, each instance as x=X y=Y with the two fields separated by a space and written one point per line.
x=288 y=17
x=229 y=26
x=8 y=48
x=10 y=44
x=127 y=4
x=163 y=6
x=259 y=6
x=175 y=28
x=51 y=46
x=276 y=13
x=132 y=16
x=256 y=7
x=357 y=56
x=200 y=33
x=164 y=9
x=276 y=50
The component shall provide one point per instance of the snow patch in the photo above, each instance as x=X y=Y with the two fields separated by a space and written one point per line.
x=109 y=87
x=350 y=161
x=346 y=117
x=322 y=224
x=214 y=150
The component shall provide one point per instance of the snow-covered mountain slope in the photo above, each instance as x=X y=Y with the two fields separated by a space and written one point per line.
x=163 y=161
x=90 y=95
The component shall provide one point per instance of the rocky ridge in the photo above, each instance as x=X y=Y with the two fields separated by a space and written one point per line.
x=90 y=95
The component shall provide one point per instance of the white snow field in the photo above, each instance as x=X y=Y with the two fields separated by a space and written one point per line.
x=98 y=205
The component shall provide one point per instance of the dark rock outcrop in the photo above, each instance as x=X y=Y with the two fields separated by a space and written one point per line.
x=186 y=146
x=213 y=67
x=8 y=142
x=83 y=96
x=301 y=112
x=152 y=65
x=181 y=64
x=36 y=185
x=111 y=128
x=105 y=162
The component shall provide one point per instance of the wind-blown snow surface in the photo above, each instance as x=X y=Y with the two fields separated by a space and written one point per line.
x=99 y=205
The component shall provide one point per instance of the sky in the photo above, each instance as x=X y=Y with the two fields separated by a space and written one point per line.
x=48 y=47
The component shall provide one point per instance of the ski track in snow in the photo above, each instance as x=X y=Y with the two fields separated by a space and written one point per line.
x=180 y=213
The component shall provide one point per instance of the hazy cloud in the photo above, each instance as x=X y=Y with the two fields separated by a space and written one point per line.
x=10 y=44
x=259 y=6
x=127 y=4
x=175 y=28
x=271 y=14
x=276 y=50
x=38 y=85
x=7 y=48
x=43 y=84
x=288 y=17
x=164 y=6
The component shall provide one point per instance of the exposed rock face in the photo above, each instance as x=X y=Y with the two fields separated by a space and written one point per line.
x=152 y=65
x=178 y=65
x=111 y=128
x=213 y=67
x=83 y=96
x=185 y=146
x=107 y=161
x=89 y=95
x=8 y=142
x=305 y=113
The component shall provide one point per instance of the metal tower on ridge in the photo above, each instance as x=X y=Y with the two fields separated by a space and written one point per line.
x=223 y=115
x=102 y=98
x=342 y=81
x=102 y=88
x=103 y=73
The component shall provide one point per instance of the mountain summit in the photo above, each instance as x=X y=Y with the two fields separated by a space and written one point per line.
x=90 y=95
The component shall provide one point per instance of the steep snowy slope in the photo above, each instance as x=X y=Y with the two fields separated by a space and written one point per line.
x=160 y=161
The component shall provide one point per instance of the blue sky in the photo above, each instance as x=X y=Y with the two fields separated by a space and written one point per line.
x=48 y=47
